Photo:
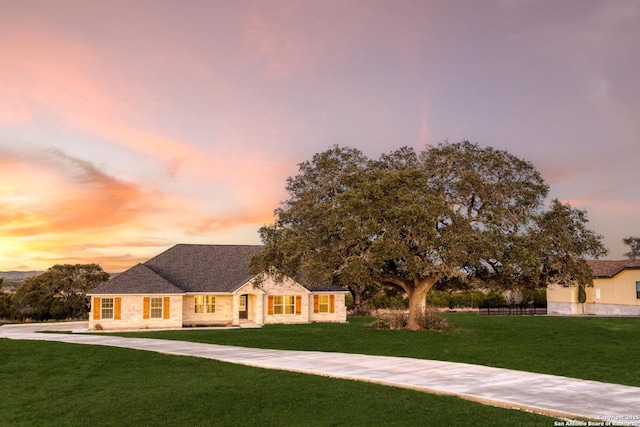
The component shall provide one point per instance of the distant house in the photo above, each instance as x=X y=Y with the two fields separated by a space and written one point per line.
x=207 y=285
x=615 y=291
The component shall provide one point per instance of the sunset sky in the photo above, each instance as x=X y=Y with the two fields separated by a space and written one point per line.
x=129 y=126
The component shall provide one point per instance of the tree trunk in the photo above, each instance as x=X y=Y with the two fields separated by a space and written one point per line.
x=358 y=304
x=417 y=301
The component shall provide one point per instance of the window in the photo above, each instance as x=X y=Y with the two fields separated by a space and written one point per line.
x=284 y=304
x=210 y=304
x=156 y=308
x=323 y=303
x=205 y=304
x=106 y=308
x=638 y=290
x=199 y=304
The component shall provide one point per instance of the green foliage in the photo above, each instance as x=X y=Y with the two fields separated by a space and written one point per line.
x=58 y=293
x=563 y=234
x=474 y=298
x=582 y=294
x=437 y=298
x=390 y=300
x=6 y=307
x=536 y=296
x=634 y=246
x=467 y=299
x=348 y=302
x=410 y=220
x=494 y=299
x=471 y=299
x=45 y=383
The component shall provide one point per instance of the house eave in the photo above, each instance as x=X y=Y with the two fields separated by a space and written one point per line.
x=137 y=294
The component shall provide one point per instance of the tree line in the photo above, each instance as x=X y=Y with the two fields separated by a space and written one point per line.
x=59 y=293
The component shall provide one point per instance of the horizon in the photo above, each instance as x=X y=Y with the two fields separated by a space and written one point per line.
x=126 y=128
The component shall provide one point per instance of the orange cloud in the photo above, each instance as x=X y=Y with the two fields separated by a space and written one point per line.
x=54 y=191
x=50 y=200
x=58 y=208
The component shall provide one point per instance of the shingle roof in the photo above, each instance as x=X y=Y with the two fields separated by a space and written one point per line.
x=191 y=268
x=137 y=280
x=605 y=268
x=325 y=288
x=205 y=268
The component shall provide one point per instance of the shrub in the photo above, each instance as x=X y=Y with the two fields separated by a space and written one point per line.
x=391 y=319
x=494 y=299
x=379 y=323
x=430 y=320
x=398 y=319
x=537 y=296
x=582 y=294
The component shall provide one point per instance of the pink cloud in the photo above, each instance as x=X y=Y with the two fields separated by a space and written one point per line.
x=77 y=195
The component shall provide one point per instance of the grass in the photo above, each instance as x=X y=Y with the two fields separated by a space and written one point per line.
x=601 y=349
x=49 y=383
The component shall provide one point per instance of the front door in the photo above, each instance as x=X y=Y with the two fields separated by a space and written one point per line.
x=243 y=307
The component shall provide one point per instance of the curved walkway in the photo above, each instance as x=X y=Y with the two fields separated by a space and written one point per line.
x=547 y=394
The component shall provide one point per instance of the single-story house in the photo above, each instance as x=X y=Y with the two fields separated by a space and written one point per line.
x=615 y=291
x=208 y=285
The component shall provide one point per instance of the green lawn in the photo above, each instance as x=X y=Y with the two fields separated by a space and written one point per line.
x=594 y=348
x=56 y=384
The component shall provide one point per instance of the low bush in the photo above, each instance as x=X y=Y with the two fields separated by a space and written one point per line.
x=429 y=320
x=390 y=319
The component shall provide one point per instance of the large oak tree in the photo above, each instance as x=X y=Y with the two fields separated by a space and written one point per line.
x=411 y=219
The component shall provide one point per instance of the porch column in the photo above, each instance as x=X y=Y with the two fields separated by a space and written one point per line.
x=235 y=306
x=258 y=309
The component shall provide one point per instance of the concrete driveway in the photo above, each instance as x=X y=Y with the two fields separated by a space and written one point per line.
x=547 y=394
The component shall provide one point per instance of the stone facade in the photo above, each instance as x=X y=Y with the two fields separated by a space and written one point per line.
x=182 y=311
x=132 y=313
x=223 y=314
